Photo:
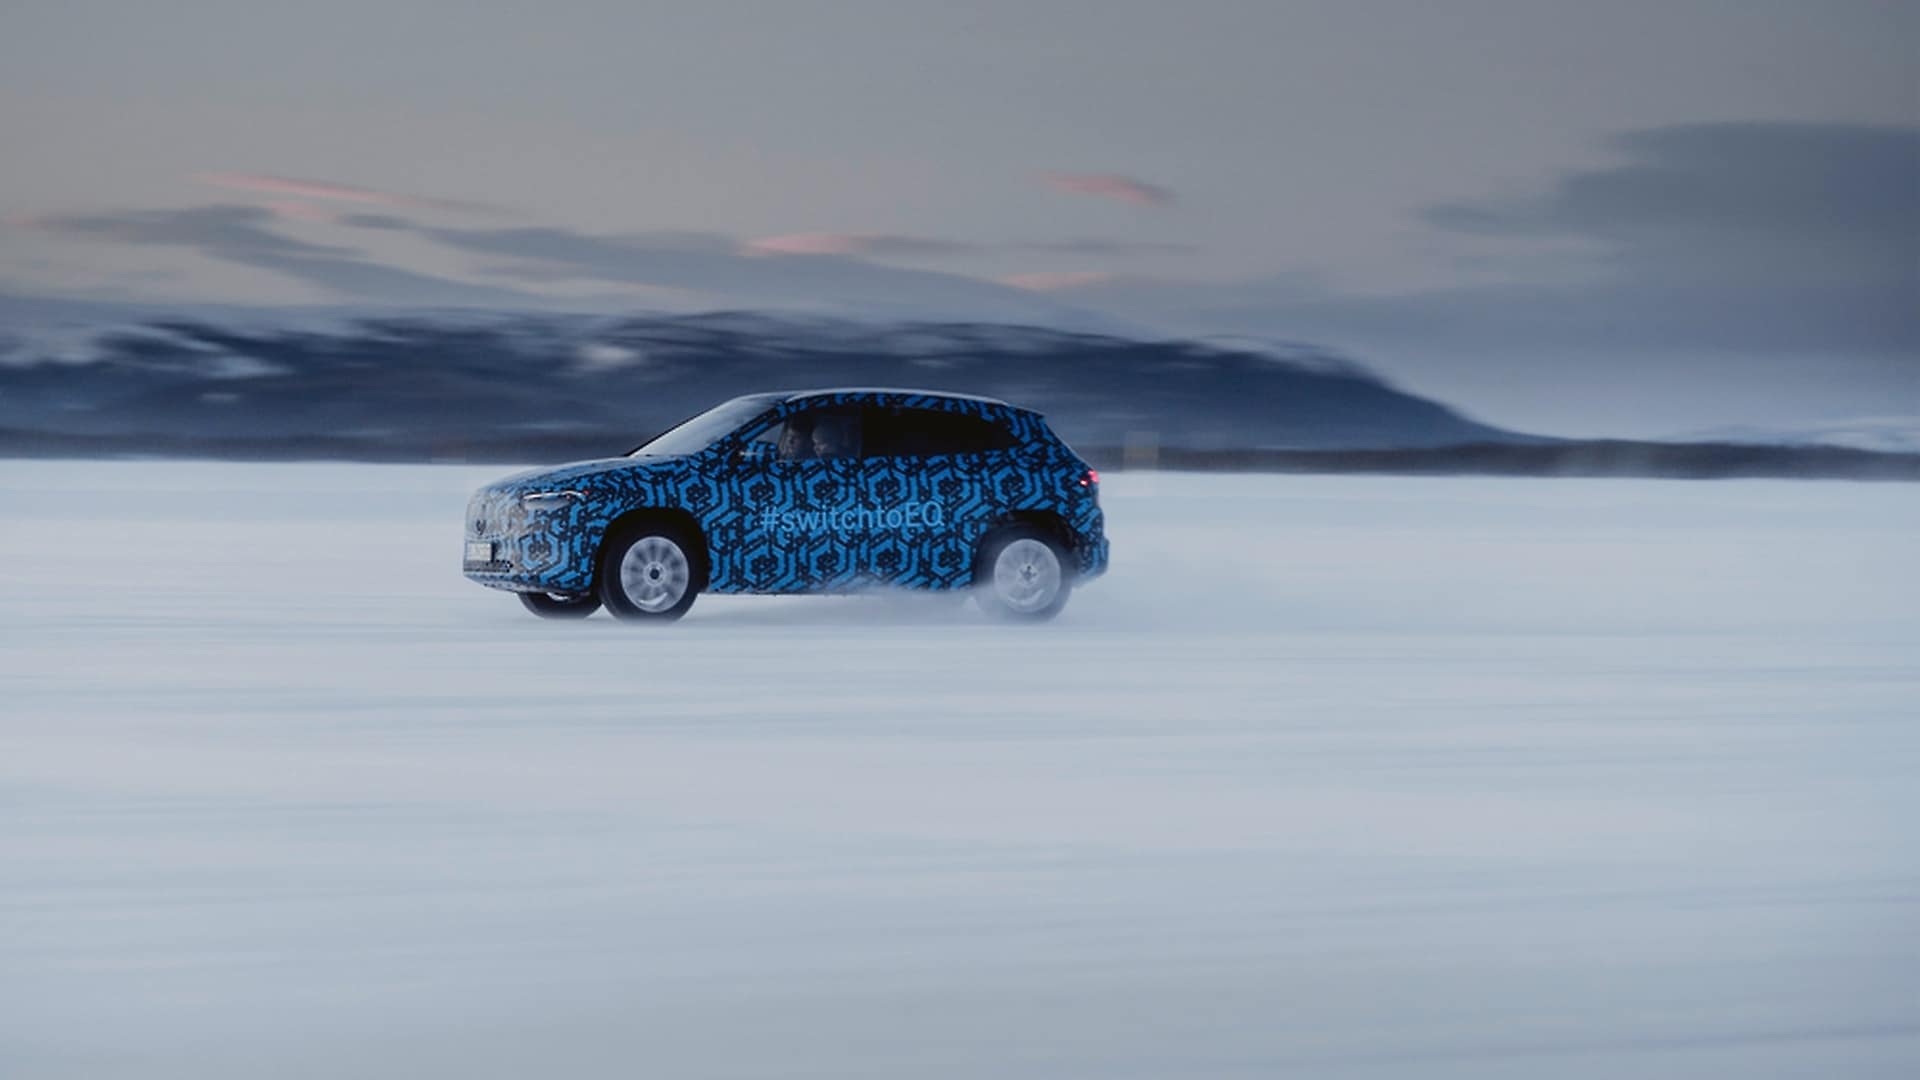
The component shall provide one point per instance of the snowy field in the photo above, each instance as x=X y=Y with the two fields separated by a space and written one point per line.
x=1341 y=777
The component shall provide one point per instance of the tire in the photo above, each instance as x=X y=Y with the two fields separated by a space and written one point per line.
x=651 y=572
x=1022 y=573
x=557 y=606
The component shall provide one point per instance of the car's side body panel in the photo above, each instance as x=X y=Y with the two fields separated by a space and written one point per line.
x=797 y=526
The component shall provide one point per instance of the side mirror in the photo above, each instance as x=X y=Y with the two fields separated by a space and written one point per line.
x=753 y=453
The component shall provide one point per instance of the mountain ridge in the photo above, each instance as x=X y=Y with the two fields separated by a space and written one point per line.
x=434 y=379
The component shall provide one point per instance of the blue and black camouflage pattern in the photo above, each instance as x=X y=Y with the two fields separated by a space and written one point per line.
x=760 y=520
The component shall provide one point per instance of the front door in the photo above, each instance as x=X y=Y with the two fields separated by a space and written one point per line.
x=805 y=536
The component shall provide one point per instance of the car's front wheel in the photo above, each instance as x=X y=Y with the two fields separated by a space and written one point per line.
x=650 y=572
x=560 y=606
x=1022 y=573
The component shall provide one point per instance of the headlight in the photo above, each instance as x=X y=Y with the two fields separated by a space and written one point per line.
x=549 y=500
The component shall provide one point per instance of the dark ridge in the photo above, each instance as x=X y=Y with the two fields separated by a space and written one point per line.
x=390 y=387
x=1602 y=458
x=1590 y=458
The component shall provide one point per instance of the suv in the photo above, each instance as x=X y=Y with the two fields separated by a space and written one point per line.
x=818 y=491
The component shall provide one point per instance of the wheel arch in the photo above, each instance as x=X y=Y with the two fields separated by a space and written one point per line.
x=674 y=516
x=1046 y=521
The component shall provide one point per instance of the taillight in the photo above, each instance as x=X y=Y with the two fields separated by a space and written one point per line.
x=1092 y=479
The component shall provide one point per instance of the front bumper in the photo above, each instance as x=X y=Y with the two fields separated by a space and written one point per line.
x=509 y=547
x=501 y=572
x=497 y=571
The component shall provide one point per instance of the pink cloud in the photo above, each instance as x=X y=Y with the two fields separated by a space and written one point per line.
x=807 y=244
x=1109 y=186
x=261 y=183
x=848 y=244
x=1056 y=280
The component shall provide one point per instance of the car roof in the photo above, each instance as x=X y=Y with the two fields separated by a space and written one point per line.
x=893 y=391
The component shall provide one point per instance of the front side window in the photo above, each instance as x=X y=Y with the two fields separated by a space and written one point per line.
x=696 y=434
x=817 y=435
x=897 y=431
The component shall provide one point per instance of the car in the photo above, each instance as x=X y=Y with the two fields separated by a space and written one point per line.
x=813 y=491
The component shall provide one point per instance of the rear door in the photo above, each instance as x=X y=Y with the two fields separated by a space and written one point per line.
x=927 y=478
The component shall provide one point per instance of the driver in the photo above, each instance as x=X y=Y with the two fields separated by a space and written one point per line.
x=796 y=439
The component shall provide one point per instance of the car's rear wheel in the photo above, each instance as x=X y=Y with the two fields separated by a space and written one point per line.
x=651 y=572
x=1022 y=573
x=560 y=605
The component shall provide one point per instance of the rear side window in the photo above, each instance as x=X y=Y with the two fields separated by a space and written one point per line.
x=896 y=431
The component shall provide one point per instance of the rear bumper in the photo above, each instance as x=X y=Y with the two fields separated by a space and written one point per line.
x=1092 y=556
x=1088 y=526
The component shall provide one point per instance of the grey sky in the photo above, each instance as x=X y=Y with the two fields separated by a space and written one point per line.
x=1273 y=164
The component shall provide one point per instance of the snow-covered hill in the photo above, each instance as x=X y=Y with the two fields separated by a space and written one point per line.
x=1887 y=434
x=443 y=381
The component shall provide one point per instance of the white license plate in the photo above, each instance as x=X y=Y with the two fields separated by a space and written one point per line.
x=480 y=551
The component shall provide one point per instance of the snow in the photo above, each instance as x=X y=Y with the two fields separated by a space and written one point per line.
x=1343 y=777
x=597 y=356
x=1887 y=434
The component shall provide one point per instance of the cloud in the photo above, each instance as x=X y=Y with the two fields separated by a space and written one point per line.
x=855 y=244
x=1058 y=280
x=282 y=186
x=1735 y=238
x=1097 y=248
x=293 y=210
x=1737 y=271
x=225 y=230
x=240 y=234
x=719 y=269
x=884 y=245
x=1717 y=204
x=709 y=263
x=1109 y=186
x=691 y=268
x=390 y=222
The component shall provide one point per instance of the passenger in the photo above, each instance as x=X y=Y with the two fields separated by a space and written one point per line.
x=833 y=437
x=796 y=439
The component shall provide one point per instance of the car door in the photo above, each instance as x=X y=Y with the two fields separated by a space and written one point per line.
x=927 y=477
x=803 y=531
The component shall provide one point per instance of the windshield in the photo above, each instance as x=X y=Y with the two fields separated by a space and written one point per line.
x=694 y=435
